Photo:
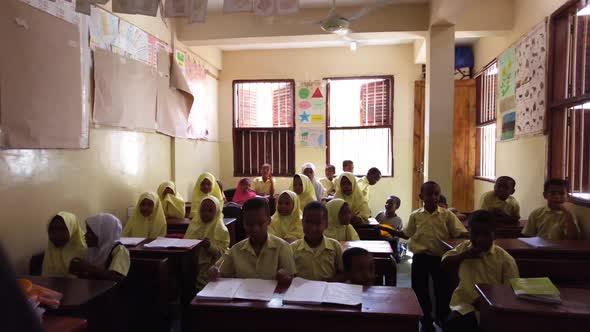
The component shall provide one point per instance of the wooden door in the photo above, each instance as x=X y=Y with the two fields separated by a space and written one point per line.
x=463 y=162
x=418 y=167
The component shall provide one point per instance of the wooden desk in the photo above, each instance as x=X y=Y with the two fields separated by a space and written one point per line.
x=382 y=306
x=63 y=324
x=377 y=248
x=77 y=292
x=501 y=310
x=385 y=267
x=511 y=231
x=180 y=225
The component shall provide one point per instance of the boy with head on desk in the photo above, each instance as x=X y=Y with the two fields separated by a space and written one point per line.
x=317 y=257
x=328 y=181
x=553 y=221
x=501 y=202
x=359 y=267
x=426 y=228
x=478 y=260
x=264 y=185
x=261 y=255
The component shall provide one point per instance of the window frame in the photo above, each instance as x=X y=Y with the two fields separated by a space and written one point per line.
x=290 y=131
x=389 y=126
x=479 y=125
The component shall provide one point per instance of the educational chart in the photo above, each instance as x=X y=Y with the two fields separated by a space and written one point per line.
x=132 y=42
x=64 y=9
x=312 y=137
x=531 y=55
x=104 y=28
x=310 y=103
x=506 y=93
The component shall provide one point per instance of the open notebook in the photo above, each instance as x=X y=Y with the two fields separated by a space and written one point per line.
x=131 y=241
x=227 y=289
x=305 y=291
x=537 y=242
x=163 y=242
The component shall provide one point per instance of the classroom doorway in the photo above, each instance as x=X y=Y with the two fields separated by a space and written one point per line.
x=463 y=161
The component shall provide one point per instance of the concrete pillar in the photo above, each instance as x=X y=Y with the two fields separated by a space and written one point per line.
x=440 y=86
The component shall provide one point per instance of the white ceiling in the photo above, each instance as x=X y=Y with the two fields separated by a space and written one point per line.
x=218 y=4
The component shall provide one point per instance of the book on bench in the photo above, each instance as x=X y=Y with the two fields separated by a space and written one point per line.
x=535 y=289
x=227 y=289
x=163 y=242
x=303 y=291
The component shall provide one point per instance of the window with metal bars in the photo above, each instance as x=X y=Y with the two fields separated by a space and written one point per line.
x=263 y=127
x=569 y=99
x=485 y=86
x=359 y=122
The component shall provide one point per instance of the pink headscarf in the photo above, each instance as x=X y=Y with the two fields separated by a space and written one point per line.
x=241 y=197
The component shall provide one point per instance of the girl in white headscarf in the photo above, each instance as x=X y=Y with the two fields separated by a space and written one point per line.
x=106 y=258
x=309 y=170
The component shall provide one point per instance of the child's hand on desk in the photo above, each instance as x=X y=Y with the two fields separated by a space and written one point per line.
x=205 y=243
x=213 y=273
x=283 y=277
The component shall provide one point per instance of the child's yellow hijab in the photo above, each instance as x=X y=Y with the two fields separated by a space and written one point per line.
x=356 y=200
x=336 y=229
x=56 y=262
x=214 y=230
x=149 y=227
x=173 y=205
x=308 y=194
x=287 y=227
x=198 y=195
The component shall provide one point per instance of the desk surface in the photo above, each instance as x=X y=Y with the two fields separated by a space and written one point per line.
x=376 y=247
x=63 y=324
x=377 y=301
x=76 y=291
x=142 y=249
x=576 y=302
x=534 y=244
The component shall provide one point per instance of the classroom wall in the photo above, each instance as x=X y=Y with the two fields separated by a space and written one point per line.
x=524 y=159
x=314 y=64
x=107 y=177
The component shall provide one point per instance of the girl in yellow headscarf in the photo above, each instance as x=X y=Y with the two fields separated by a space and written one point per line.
x=65 y=243
x=172 y=203
x=347 y=189
x=303 y=187
x=208 y=226
x=286 y=222
x=339 y=227
x=205 y=185
x=148 y=218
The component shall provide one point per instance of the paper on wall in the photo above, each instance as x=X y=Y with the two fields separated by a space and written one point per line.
x=275 y=7
x=198 y=11
x=312 y=137
x=132 y=42
x=143 y=7
x=310 y=103
x=176 y=8
x=172 y=105
x=286 y=7
x=64 y=9
x=233 y=6
x=83 y=7
x=104 y=28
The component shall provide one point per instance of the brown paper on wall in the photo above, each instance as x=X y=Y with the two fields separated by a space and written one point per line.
x=40 y=80
x=124 y=92
x=173 y=106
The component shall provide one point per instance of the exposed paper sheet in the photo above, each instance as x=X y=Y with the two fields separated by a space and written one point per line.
x=131 y=241
x=264 y=7
x=173 y=106
x=232 y=6
x=64 y=9
x=143 y=7
x=346 y=294
x=163 y=242
x=537 y=242
x=176 y=8
x=286 y=7
x=223 y=289
x=83 y=7
x=132 y=42
x=198 y=11
x=104 y=28
x=305 y=291
x=256 y=290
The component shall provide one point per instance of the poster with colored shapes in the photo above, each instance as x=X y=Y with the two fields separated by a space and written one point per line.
x=507 y=81
x=531 y=58
x=508 y=124
x=310 y=103
x=312 y=137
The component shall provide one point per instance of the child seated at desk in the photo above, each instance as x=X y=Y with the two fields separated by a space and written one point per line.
x=286 y=221
x=309 y=170
x=426 y=227
x=303 y=187
x=553 y=221
x=501 y=202
x=243 y=192
x=348 y=166
x=222 y=192
x=478 y=260
x=347 y=189
x=328 y=181
x=148 y=218
x=260 y=255
x=206 y=185
x=339 y=216
x=106 y=258
x=359 y=267
x=389 y=219
x=364 y=184
x=65 y=243
x=317 y=257
x=208 y=227
x=264 y=185
x=172 y=203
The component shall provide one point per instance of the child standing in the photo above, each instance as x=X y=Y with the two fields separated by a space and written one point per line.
x=389 y=219
x=359 y=267
x=426 y=227
x=260 y=255
x=478 y=260
x=348 y=166
x=303 y=187
x=264 y=185
x=501 y=202
x=172 y=203
x=317 y=257
x=339 y=216
x=309 y=170
x=206 y=185
x=286 y=221
x=65 y=243
x=347 y=189
x=364 y=184
x=148 y=218
x=554 y=221
x=208 y=227
x=243 y=192
x=328 y=181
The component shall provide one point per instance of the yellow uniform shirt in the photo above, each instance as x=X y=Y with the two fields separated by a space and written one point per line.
x=495 y=267
x=328 y=185
x=547 y=224
x=364 y=187
x=120 y=260
x=320 y=263
x=262 y=187
x=241 y=260
x=426 y=230
x=510 y=206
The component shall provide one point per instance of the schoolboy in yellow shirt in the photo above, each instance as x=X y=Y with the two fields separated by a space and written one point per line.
x=264 y=185
x=317 y=257
x=426 y=227
x=501 y=202
x=261 y=255
x=359 y=266
x=364 y=184
x=553 y=221
x=478 y=260
x=328 y=181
